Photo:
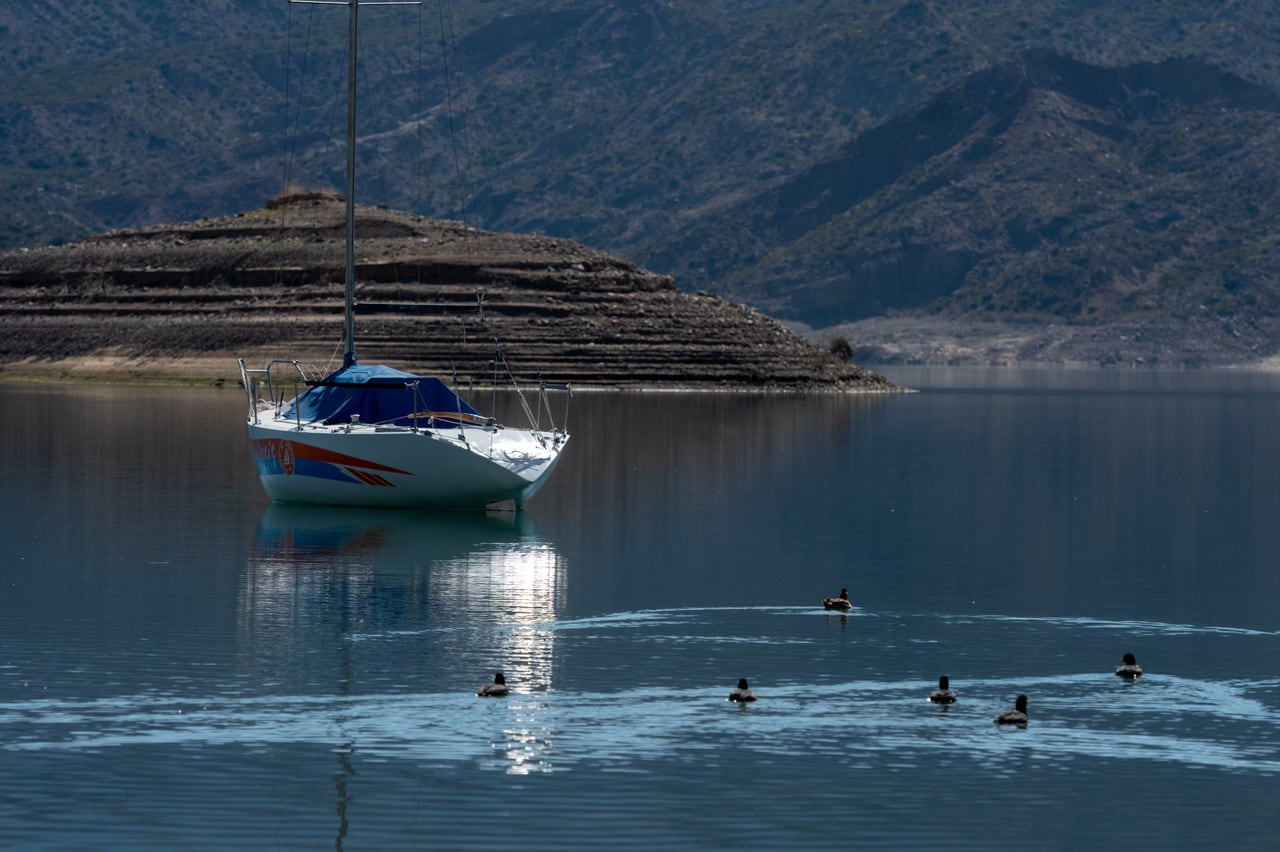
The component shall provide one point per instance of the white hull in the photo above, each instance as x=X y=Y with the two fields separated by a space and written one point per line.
x=366 y=465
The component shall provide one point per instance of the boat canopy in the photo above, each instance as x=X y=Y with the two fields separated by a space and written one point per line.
x=378 y=394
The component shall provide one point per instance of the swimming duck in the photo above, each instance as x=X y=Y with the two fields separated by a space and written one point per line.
x=497 y=689
x=743 y=692
x=1130 y=670
x=841 y=603
x=943 y=694
x=1016 y=716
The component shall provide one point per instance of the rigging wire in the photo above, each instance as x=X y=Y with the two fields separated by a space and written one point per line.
x=461 y=148
x=458 y=111
x=338 y=94
x=419 y=115
x=448 y=41
x=291 y=127
x=288 y=140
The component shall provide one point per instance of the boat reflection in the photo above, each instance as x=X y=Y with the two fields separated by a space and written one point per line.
x=469 y=593
x=390 y=537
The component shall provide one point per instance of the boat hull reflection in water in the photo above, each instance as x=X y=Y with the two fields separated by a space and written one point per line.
x=367 y=581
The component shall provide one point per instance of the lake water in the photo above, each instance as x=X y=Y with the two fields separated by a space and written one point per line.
x=183 y=665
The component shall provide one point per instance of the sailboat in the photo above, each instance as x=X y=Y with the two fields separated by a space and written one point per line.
x=372 y=435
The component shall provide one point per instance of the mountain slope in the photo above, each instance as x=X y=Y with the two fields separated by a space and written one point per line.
x=1042 y=188
x=1046 y=160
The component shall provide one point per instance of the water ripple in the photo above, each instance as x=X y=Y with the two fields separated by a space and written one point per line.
x=1133 y=628
x=559 y=730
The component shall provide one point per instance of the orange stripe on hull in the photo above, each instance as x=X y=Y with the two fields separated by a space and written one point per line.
x=281 y=448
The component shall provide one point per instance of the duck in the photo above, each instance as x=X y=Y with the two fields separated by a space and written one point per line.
x=943 y=694
x=743 y=692
x=841 y=603
x=497 y=689
x=1130 y=670
x=1016 y=716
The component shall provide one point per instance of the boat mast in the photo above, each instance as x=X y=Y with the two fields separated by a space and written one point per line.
x=349 y=293
x=353 y=40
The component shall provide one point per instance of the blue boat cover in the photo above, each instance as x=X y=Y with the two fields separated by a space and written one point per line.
x=378 y=394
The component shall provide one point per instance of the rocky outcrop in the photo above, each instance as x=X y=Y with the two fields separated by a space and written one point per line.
x=183 y=301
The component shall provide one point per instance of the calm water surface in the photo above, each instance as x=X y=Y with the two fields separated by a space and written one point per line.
x=183 y=665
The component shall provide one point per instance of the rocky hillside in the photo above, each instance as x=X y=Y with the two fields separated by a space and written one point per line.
x=1035 y=189
x=185 y=301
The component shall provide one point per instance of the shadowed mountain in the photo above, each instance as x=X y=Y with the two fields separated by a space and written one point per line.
x=828 y=162
x=1044 y=187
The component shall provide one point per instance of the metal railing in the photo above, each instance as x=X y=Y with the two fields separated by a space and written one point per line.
x=254 y=378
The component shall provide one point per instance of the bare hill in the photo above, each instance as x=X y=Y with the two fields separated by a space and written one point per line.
x=184 y=301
